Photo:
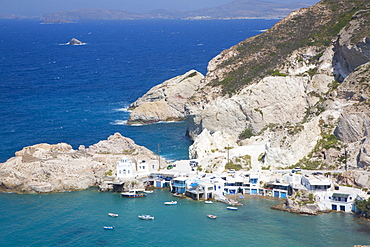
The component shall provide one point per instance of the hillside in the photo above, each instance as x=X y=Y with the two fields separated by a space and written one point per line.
x=235 y=10
x=300 y=90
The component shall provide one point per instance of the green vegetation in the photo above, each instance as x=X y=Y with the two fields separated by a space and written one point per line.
x=192 y=74
x=241 y=162
x=259 y=56
x=109 y=173
x=246 y=134
x=231 y=165
x=276 y=73
x=363 y=207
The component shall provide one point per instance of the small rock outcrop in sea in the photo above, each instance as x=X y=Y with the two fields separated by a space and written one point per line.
x=293 y=207
x=165 y=102
x=74 y=41
x=44 y=168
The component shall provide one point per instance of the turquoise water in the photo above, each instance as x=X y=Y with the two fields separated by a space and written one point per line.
x=77 y=219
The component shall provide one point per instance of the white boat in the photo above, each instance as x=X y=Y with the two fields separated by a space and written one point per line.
x=146 y=217
x=134 y=193
x=211 y=216
x=148 y=191
x=113 y=215
x=208 y=202
x=108 y=227
x=170 y=203
x=232 y=208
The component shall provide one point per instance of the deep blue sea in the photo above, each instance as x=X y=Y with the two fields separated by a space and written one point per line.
x=51 y=92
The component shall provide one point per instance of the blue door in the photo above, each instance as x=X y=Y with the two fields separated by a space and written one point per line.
x=254 y=192
x=342 y=208
x=334 y=207
x=276 y=193
x=283 y=195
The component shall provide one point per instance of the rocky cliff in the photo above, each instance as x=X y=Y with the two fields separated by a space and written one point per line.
x=301 y=86
x=45 y=168
x=166 y=101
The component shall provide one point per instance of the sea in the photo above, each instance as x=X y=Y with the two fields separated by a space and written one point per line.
x=51 y=92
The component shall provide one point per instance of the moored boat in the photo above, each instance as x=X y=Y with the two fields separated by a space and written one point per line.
x=108 y=227
x=208 y=202
x=232 y=208
x=211 y=216
x=113 y=215
x=133 y=194
x=146 y=217
x=148 y=191
x=170 y=203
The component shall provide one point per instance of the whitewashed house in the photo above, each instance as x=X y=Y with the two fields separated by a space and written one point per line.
x=340 y=198
x=125 y=168
x=316 y=183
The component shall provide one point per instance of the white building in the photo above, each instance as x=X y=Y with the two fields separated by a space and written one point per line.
x=125 y=168
x=315 y=183
x=340 y=198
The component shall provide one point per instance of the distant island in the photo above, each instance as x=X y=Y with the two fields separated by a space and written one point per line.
x=239 y=9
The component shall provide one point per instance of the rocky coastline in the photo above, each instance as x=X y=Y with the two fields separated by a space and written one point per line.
x=310 y=110
x=45 y=168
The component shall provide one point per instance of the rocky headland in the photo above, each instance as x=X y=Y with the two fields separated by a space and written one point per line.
x=166 y=101
x=44 y=168
x=298 y=93
x=295 y=95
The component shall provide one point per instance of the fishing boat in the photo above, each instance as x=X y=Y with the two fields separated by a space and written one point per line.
x=208 y=202
x=113 y=215
x=232 y=208
x=108 y=227
x=133 y=193
x=211 y=216
x=146 y=217
x=170 y=203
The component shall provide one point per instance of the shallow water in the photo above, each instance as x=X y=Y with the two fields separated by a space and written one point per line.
x=77 y=219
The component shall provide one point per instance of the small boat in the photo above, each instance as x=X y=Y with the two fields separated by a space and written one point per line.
x=170 y=203
x=108 y=227
x=211 y=216
x=208 y=202
x=146 y=217
x=148 y=191
x=113 y=215
x=134 y=194
x=232 y=208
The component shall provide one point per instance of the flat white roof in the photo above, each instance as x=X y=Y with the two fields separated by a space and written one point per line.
x=318 y=180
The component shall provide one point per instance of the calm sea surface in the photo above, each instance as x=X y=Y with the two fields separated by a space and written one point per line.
x=51 y=92
x=77 y=219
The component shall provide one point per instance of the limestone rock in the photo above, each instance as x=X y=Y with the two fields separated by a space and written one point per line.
x=354 y=178
x=75 y=41
x=44 y=168
x=165 y=102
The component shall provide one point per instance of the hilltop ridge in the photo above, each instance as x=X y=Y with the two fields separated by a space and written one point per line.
x=239 y=9
x=290 y=87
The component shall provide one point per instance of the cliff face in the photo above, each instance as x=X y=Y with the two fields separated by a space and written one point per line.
x=293 y=85
x=45 y=168
x=165 y=102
